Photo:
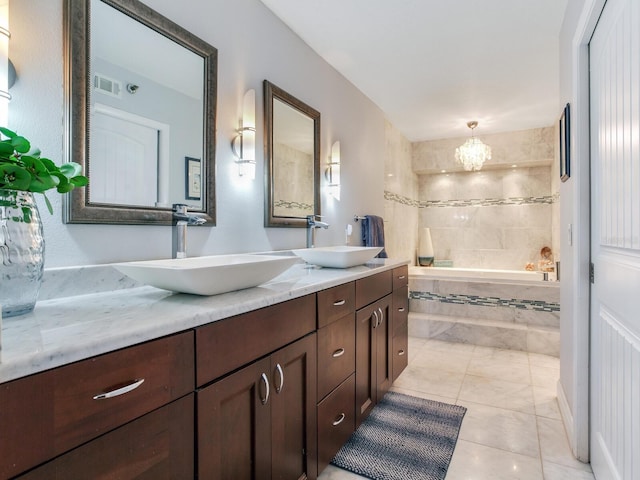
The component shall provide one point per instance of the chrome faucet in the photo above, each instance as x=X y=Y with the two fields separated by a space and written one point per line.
x=180 y=220
x=312 y=224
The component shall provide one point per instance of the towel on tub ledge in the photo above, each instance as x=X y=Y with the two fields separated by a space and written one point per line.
x=373 y=233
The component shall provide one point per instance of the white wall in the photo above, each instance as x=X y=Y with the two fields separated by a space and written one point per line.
x=573 y=388
x=253 y=45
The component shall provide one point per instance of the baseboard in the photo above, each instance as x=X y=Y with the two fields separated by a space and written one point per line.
x=568 y=421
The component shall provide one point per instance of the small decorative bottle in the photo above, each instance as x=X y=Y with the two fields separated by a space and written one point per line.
x=425 y=249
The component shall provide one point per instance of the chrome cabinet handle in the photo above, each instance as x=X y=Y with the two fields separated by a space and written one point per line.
x=119 y=391
x=401 y=277
x=401 y=352
x=281 y=375
x=338 y=353
x=339 y=420
x=375 y=315
x=381 y=316
x=266 y=385
x=401 y=309
x=339 y=303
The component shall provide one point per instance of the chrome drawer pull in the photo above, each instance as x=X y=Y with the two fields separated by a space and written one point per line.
x=339 y=420
x=339 y=303
x=401 y=309
x=266 y=384
x=400 y=352
x=338 y=353
x=120 y=391
x=381 y=316
x=281 y=374
x=401 y=277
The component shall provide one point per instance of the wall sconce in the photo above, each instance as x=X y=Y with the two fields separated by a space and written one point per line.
x=5 y=96
x=332 y=173
x=244 y=143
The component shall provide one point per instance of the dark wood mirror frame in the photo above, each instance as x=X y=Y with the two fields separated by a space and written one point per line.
x=270 y=92
x=78 y=209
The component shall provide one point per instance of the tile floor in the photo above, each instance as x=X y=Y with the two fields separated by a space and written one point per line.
x=512 y=428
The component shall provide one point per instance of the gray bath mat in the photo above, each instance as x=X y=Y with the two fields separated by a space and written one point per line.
x=403 y=438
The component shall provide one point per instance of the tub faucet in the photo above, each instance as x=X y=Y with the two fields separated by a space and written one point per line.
x=312 y=224
x=179 y=222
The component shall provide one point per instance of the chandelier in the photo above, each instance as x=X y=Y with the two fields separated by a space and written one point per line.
x=473 y=153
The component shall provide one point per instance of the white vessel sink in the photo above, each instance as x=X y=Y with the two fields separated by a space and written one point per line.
x=337 y=257
x=209 y=275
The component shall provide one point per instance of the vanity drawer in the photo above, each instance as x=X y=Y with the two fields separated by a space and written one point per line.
x=334 y=303
x=336 y=421
x=158 y=446
x=400 y=277
x=400 y=350
x=226 y=345
x=52 y=412
x=336 y=353
x=400 y=306
x=372 y=288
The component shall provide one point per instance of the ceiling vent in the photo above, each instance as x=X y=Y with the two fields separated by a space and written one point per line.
x=107 y=85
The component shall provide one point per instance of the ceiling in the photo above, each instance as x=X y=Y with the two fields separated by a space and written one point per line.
x=433 y=65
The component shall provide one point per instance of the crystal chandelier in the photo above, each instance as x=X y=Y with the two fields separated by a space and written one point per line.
x=473 y=153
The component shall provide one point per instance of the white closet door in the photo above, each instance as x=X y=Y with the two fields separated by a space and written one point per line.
x=615 y=242
x=124 y=162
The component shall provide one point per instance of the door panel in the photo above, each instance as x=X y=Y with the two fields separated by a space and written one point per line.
x=615 y=241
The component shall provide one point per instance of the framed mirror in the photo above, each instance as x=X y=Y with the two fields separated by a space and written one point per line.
x=140 y=114
x=292 y=157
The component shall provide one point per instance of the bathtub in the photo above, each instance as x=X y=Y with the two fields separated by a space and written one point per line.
x=477 y=274
x=498 y=308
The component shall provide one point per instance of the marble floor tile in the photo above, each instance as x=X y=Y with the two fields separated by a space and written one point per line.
x=335 y=473
x=419 y=394
x=544 y=360
x=546 y=402
x=441 y=359
x=501 y=354
x=472 y=461
x=498 y=393
x=554 y=445
x=553 y=471
x=544 y=376
x=454 y=349
x=499 y=428
x=499 y=368
x=428 y=380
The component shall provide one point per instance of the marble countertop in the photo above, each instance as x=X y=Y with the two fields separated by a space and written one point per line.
x=64 y=330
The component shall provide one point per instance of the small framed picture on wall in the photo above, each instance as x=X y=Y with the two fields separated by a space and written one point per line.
x=192 y=178
x=565 y=144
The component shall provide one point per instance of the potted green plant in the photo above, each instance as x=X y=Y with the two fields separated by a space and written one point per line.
x=23 y=172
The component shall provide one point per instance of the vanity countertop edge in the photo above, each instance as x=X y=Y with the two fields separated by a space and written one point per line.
x=66 y=330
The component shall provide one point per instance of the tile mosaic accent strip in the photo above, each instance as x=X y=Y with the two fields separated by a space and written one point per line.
x=291 y=205
x=534 y=305
x=487 y=202
x=394 y=197
x=474 y=202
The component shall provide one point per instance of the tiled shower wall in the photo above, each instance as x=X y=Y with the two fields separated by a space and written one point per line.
x=499 y=217
x=401 y=184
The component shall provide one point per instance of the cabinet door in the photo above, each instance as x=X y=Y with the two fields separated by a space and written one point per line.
x=157 y=446
x=293 y=411
x=373 y=355
x=234 y=425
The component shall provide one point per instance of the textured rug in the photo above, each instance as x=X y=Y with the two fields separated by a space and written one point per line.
x=403 y=438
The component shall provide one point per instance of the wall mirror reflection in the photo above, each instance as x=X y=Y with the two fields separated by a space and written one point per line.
x=140 y=114
x=292 y=134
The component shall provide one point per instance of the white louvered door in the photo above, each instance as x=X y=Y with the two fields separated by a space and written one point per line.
x=614 y=54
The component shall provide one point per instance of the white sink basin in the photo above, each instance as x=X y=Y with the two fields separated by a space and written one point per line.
x=337 y=257
x=209 y=275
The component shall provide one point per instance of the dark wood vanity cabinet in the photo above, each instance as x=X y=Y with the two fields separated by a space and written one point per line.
x=48 y=414
x=400 y=308
x=259 y=421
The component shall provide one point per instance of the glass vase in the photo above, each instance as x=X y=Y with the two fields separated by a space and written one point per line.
x=21 y=252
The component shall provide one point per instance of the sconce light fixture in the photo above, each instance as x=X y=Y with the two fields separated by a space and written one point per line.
x=5 y=96
x=244 y=143
x=332 y=173
x=473 y=153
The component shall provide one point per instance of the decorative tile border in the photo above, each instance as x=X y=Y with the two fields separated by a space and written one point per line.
x=534 y=305
x=292 y=205
x=474 y=202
